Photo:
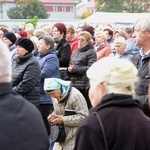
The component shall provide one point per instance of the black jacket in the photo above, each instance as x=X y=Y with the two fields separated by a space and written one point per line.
x=26 y=77
x=141 y=86
x=21 y=124
x=63 y=51
x=125 y=125
x=82 y=59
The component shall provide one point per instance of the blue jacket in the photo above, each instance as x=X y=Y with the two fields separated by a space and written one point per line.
x=49 y=64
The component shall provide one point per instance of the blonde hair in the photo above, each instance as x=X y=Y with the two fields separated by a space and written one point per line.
x=101 y=34
x=120 y=40
x=86 y=34
x=118 y=75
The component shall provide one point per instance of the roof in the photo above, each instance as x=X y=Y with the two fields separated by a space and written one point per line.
x=49 y=1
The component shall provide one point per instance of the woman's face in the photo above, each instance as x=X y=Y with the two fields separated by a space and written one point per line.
x=20 y=51
x=42 y=47
x=7 y=41
x=82 y=41
x=69 y=35
x=99 y=40
x=119 y=48
x=56 y=34
x=55 y=93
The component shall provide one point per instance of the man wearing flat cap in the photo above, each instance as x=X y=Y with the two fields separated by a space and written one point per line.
x=26 y=71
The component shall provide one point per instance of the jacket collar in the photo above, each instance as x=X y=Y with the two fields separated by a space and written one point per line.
x=118 y=100
x=5 y=88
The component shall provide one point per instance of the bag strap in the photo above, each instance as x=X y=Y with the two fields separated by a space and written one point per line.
x=103 y=131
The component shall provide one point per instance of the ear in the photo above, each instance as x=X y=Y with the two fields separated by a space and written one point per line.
x=102 y=88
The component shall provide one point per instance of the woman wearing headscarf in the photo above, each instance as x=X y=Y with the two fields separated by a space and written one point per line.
x=65 y=97
x=116 y=121
x=26 y=71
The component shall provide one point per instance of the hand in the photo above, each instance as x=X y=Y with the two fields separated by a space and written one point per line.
x=70 y=68
x=56 y=119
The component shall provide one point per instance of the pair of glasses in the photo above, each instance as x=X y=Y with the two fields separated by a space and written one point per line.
x=82 y=40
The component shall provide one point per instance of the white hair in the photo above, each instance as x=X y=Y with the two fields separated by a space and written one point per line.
x=120 y=40
x=118 y=75
x=5 y=62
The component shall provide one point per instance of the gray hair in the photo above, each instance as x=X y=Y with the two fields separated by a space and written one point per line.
x=144 y=24
x=5 y=62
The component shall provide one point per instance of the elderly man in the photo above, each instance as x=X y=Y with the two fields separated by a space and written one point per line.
x=21 y=124
x=141 y=61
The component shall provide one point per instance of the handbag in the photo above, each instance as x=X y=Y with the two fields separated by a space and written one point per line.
x=103 y=131
x=58 y=133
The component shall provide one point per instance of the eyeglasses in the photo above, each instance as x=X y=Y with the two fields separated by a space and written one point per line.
x=82 y=40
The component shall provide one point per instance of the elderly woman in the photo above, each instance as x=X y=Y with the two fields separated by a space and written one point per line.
x=65 y=97
x=81 y=60
x=102 y=47
x=49 y=68
x=123 y=124
x=26 y=71
x=120 y=47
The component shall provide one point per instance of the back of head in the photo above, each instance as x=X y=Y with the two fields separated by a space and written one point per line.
x=5 y=63
x=90 y=29
x=118 y=75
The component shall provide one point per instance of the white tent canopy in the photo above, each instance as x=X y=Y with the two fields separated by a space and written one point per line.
x=102 y=17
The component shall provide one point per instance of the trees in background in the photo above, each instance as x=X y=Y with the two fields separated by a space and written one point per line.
x=132 y=6
x=26 y=9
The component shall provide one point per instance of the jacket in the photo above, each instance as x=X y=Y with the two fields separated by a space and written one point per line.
x=82 y=59
x=103 y=51
x=141 y=86
x=126 y=126
x=26 y=77
x=21 y=124
x=63 y=51
x=49 y=69
x=73 y=100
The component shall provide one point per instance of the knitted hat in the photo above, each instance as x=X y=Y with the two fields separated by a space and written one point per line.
x=11 y=36
x=25 y=43
x=22 y=33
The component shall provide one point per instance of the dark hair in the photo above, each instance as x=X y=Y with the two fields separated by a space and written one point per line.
x=110 y=32
x=61 y=28
x=88 y=28
x=48 y=40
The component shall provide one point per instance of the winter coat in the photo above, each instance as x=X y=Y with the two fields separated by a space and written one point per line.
x=26 y=77
x=21 y=124
x=73 y=44
x=74 y=100
x=141 y=87
x=82 y=59
x=63 y=51
x=126 y=126
x=103 y=51
x=49 y=69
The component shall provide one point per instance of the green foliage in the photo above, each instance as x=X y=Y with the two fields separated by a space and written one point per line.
x=33 y=21
x=27 y=9
x=133 y=6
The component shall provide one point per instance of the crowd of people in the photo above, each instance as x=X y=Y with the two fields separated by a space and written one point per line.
x=101 y=72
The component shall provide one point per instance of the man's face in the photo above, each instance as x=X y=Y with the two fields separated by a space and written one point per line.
x=140 y=36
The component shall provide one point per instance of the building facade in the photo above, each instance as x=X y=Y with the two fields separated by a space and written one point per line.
x=57 y=9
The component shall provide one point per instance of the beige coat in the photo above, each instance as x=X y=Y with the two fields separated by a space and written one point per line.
x=77 y=102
